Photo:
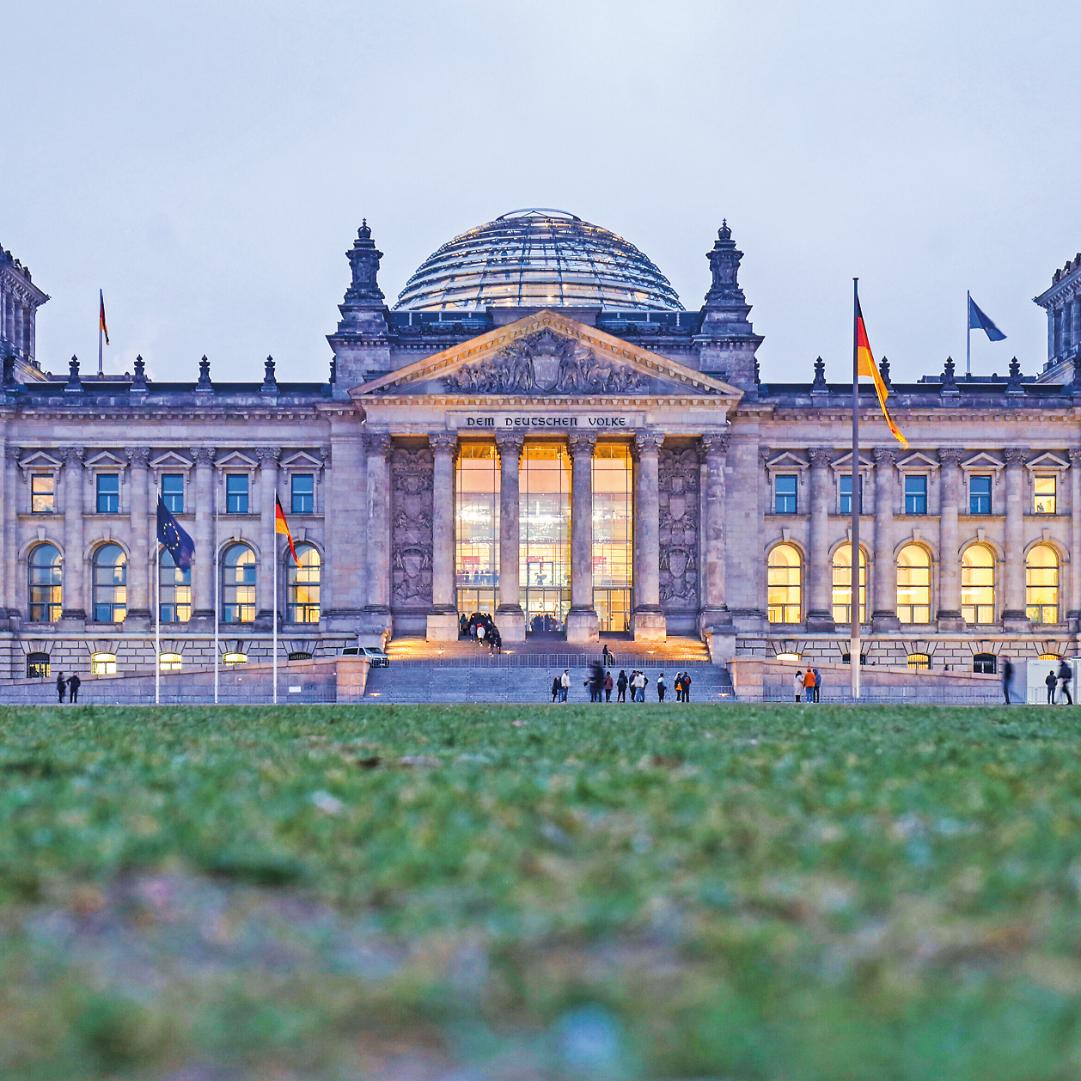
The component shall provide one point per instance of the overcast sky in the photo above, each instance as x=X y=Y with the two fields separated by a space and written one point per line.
x=208 y=163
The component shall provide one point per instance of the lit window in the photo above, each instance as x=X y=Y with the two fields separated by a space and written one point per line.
x=845 y=483
x=979 y=494
x=784 y=493
x=43 y=493
x=784 y=581
x=46 y=583
x=231 y=659
x=175 y=588
x=303 y=585
x=787 y=657
x=914 y=584
x=170 y=662
x=108 y=493
x=915 y=493
x=172 y=492
x=110 y=584
x=236 y=493
x=302 y=493
x=985 y=664
x=918 y=662
x=1044 y=493
x=842 y=585
x=1041 y=584
x=103 y=664
x=978 y=584
x=238 y=573
x=38 y=666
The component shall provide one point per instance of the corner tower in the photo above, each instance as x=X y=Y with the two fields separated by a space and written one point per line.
x=20 y=299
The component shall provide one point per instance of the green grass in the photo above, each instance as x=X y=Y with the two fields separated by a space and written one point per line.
x=746 y=893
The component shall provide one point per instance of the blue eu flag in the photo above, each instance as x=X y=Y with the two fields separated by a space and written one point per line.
x=978 y=320
x=174 y=537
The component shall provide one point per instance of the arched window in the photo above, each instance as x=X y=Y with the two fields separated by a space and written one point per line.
x=46 y=583
x=103 y=664
x=1041 y=584
x=175 y=590
x=842 y=585
x=170 y=662
x=233 y=658
x=238 y=585
x=38 y=666
x=110 y=584
x=978 y=584
x=914 y=584
x=299 y=655
x=784 y=584
x=302 y=585
x=918 y=662
x=985 y=664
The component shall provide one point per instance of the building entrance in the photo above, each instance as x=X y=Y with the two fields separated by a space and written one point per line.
x=544 y=539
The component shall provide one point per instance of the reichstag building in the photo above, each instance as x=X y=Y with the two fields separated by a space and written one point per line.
x=538 y=429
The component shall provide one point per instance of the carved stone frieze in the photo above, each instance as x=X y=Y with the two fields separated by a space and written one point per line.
x=678 y=502
x=547 y=363
x=411 y=478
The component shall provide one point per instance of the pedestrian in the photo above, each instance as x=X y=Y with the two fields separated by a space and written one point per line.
x=595 y=682
x=621 y=686
x=61 y=688
x=797 y=685
x=73 y=688
x=686 y=686
x=480 y=634
x=661 y=687
x=1064 y=676
x=643 y=682
x=606 y=656
x=1007 y=678
x=564 y=685
x=608 y=686
x=555 y=687
x=818 y=685
x=809 y=685
x=1050 y=683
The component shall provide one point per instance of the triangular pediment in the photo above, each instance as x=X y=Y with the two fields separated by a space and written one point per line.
x=236 y=459
x=171 y=460
x=844 y=463
x=39 y=459
x=301 y=459
x=786 y=460
x=547 y=354
x=1047 y=461
x=917 y=461
x=104 y=459
x=983 y=460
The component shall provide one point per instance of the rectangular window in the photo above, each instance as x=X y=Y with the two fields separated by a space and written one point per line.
x=172 y=492
x=979 y=494
x=845 y=503
x=108 y=493
x=784 y=493
x=1044 y=497
x=302 y=493
x=236 y=493
x=916 y=494
x=43 y=493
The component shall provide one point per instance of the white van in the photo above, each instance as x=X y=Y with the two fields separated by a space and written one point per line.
x=377 y=657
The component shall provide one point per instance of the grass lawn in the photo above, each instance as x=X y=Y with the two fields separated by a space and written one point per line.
x=526 y=893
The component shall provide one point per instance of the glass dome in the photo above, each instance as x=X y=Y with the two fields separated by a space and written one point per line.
x=538 y=258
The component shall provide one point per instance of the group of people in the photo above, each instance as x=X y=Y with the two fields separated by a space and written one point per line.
x=480 y=628
x=69 y=686
x=601 y=684
x=807 y=685
x=1057 y=684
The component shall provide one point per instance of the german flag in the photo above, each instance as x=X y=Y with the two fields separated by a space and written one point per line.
x=865 y=365
x=282 y=526
x=102 y=325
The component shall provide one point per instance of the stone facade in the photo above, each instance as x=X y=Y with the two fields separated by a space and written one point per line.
x=728 y=470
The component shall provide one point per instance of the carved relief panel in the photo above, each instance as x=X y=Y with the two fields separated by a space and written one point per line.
x=679 y=526
x=411 y=527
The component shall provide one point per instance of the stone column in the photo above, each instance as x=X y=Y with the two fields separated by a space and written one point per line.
x=884 y=612
x=14 y=500
x=74 y=556
x=648 y=621
x=203 y=565
x=377 y=610
x=818 y=571
x=1013 y=613
x=1076 y=323
x=1074 y=600
x=509 y=614
x=949 y=565
x=346 y=528
x=583 y=624
x=442 y=622
x=268 y=490
x=714 y=618
x=140 y=569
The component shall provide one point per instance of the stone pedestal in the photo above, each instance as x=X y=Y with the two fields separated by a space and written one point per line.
x=649 y=626
x=722 y=645
x=584 y=625
x=510 y=620
x=443 y=627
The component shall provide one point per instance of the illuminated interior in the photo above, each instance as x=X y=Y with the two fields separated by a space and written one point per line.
x=842 y=585
x=538 y=258
x=476 y=546
x=545 y=536
x=613 y=542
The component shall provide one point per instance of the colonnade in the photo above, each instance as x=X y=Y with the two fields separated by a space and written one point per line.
x=1064 y=329
x=17 y=323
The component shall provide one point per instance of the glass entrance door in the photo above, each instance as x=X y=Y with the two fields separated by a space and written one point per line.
x=613 y=609
x=544 y=544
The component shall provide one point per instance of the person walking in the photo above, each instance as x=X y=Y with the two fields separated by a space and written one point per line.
x=1065 y=674
x=564 y=685
x=1050 y=682
x=621 y=686
x=797 y=685
x=809 y=685
x=686 y=686
x=608 y=686
x=555 y=687
x=1007 y=678
x=662 y=686
x=818 y=685
x=61 y=688
x=73 y=688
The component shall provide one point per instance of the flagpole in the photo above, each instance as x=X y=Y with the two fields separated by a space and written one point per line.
x=274 y=629
x=214 y=562
x=101 y=301
x=968 y=333
x=854 y=617
x=157 y=617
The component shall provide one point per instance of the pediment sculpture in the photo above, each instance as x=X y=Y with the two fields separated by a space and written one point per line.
x=547 y=363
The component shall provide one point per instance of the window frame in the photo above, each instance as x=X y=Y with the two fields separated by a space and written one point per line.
x=911 y=607
x=843 y=496
x=102 y=663
x=924 y=495
x=1042 y=607
x=980 y=608
x=309 y=474
x=974 y=498
x=48 y=607
x=785 y=606
x=118 y=588
x=102 y=497
x=238 y=475
x=234 y=607
x=43 y=474
x=311 y=610
x=1037 y=497
x=171 y=499
x=778 y=496
x=33 y=661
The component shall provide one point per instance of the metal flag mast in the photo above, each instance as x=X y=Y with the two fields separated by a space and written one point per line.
x=274 y=606
x=855 y=475
x=968 y=332
x=217 y=577
x=157 y=610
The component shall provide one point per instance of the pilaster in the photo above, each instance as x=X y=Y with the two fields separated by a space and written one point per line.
x=442 y=621
x=714 y=617
x=74 y=611
x=819 y=573
x=1074 y=600
x=884 y=613
x=949 y=568
x=648 y=620
x=509 y=614
x=268 y=492
x=377 y=611
x=140 y=575
x=1013 y=614
x=583 y=624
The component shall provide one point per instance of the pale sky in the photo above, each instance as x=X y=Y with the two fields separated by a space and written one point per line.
x=207 y=163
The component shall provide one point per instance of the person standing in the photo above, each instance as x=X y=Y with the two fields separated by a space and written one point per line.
x=606 y=656
x=797 y=685
x=1065 y=674
x=621 y=686
x=809 y=685
x=555 y=688
x=686 y=686
x=564 y=685
x=73 y=688
x=818 y=685
x=662 y=686
x=643 y=682
x=1007 y=678
x=608 y=686
x=61 y=688
x=1050 y=682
